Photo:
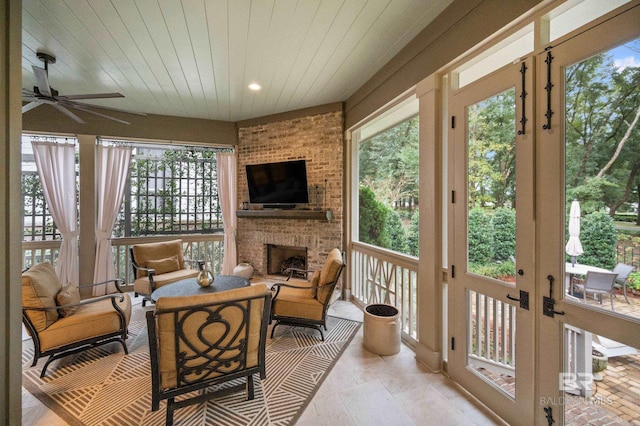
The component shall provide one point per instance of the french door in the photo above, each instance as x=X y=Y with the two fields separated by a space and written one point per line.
x=491 y=283
x=587 y=142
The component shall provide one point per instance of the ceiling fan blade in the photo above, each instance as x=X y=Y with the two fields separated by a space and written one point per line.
x=81 y=108
x=91 y=96
x=67 y=112
x=27 y=92
x=72 y=103
x=31 y=105
x=43 y=80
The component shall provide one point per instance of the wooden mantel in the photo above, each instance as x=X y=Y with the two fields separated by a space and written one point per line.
x=283 y=214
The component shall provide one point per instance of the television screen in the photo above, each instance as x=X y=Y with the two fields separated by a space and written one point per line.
x=282 y=183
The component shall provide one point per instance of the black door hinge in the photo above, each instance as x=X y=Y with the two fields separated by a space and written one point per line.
x=453 y=197
x=453 y=343
x=453 y=271
x=453 y=121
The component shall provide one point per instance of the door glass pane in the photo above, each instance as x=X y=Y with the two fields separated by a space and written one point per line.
x=599 y=380
x=602 y=176
x=492 y=328
x=491 y=152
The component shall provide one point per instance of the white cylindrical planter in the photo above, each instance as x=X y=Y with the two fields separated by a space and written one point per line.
x=381 y=329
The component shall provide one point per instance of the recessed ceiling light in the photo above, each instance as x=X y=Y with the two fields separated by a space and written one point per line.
x=255 y=87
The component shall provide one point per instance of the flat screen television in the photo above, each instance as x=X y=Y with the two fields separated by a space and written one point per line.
x=278 y=185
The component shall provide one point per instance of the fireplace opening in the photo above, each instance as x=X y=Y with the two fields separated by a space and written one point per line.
x=280 y=258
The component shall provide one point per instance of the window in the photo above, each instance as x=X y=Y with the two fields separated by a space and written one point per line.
x=388 y=180
x=171 y=190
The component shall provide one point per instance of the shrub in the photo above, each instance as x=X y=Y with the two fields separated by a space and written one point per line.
x=633 y=282
x=599 y=239
x=395 y=232
x=413 y=234
x=373 y=218
x=494 y=270
x=503 y=223
x=480 y=237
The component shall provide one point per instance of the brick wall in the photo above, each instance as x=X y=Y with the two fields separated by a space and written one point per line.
x=317 y=139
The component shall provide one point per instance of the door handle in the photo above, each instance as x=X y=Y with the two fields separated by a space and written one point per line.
x=523 y=299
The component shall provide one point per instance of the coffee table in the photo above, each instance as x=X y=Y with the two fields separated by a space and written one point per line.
x=189 y=287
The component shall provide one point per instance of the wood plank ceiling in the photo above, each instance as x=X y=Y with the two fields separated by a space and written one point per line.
x=195 y=58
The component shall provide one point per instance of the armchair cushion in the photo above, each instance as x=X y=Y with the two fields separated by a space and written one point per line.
x=298 y=303
x=67 y=296
x=143 y=253
x=90 y=320
x=141 y=285
x=162 y=266
x=40 y=285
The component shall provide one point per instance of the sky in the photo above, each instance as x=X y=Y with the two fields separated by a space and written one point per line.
x=627 y=55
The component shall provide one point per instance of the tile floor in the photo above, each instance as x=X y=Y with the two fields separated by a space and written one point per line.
x=362 y=389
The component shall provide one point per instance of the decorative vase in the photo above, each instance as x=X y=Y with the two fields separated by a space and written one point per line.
x=205 y=278
x=244 y=270
x=599 y=363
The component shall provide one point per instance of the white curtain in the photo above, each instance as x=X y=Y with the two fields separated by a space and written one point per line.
x=112 y=166
x=56 y=164
x=227 y=193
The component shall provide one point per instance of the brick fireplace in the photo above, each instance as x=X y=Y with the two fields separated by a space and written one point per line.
x=316 y=138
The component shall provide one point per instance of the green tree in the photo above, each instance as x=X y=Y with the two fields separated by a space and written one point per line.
x=388 y=162
x=491 y=151
x=602 y=137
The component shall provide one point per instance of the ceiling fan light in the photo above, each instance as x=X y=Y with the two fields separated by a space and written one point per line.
x=255 y=87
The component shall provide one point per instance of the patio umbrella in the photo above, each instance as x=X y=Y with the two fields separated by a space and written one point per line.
x=574 y=247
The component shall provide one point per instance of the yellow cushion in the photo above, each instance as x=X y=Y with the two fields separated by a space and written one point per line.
x=329 y=274
x=91 y=320
x=162 y=266
x=167 y=337
x=68 y=296
x=40 y=285
x=331 y=267
x=142 y=286
x=143 y=253
x=297 y=303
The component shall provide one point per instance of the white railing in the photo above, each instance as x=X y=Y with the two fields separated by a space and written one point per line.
x=39 y=251
x=383 y=276
x=577 y=377
x=207 y=247
x=492 y=331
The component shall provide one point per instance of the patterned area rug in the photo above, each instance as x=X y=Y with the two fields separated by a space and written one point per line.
x=104 y=386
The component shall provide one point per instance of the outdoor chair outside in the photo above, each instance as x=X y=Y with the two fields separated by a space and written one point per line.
x=598 y=283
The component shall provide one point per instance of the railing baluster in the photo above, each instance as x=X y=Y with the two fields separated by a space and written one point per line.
x=379 y=276
x=494 y=334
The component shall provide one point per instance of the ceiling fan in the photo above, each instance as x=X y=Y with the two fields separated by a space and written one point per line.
x=44 y=94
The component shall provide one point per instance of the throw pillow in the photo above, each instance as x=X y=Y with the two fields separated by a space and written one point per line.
x=68 y=296
x=163 y=266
